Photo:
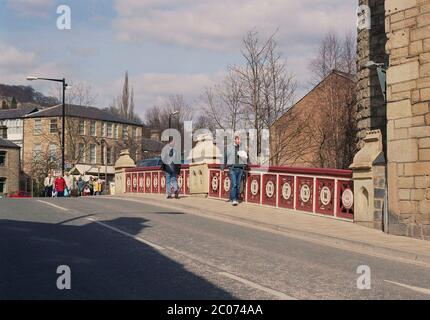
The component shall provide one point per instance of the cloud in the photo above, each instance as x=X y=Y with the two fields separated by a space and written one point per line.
x=13 y=59
x=30 y=7
x=220 y=25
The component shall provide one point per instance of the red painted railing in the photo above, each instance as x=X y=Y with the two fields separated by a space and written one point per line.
x=327 y=192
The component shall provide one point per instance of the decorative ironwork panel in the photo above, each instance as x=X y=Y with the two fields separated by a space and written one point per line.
x=141 y=182
x=225 y=184
x=345 y=199
x=254 y=186
x=155 y=182
x=286 y=191
x=305 y=194
x=270 y=187
x=134 y=182
x=128 y=183
x=214 y=183
x=325 y=196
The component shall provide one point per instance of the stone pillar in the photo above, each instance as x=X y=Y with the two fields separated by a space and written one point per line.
x=124 y=161
x=370 y=106
x=408 y=115
x=205 y=152
x=369 y=181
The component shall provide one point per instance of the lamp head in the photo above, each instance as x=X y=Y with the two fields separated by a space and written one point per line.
x=31 y=78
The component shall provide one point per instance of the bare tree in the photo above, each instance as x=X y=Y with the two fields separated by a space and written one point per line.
x=124 y=104
x=333 y=54
x=222 y=103
x=77 y=93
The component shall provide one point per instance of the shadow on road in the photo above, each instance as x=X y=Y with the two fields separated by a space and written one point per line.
x=104 y=264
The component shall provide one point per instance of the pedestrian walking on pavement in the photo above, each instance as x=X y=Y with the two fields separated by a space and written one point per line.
x=171 y=165
x=60 y=186
x=235 y=160
x=81 y=186
x=49 y=185
x=69 y=183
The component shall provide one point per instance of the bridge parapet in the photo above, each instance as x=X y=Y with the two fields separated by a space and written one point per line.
x=325 y=192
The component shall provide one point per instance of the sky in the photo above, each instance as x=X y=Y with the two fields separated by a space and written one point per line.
x=167 y=46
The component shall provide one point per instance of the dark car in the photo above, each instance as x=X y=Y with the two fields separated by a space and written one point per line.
x=152 y=162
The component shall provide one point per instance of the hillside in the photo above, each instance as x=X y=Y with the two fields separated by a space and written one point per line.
x=25 y=95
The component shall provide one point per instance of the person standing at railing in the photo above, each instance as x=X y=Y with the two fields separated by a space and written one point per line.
x=172 y=167
x=235 y=160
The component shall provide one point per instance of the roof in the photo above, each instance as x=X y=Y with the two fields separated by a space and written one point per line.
x=81 y=112
x=152 y=145
x=8 y=144
x=17 y=113
x=348 y=76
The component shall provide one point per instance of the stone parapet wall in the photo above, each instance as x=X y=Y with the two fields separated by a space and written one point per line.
x=407 y=25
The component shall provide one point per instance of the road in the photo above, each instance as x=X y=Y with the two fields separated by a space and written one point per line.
x=119 y=249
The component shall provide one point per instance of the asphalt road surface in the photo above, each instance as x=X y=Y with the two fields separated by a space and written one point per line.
x=119 y=249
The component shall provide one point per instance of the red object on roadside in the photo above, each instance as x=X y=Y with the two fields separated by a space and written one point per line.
x=20 y=194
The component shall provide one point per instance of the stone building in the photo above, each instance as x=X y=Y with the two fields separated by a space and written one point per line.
x=407 y=139
x=12 y=124
x=408 y=115
x=9 y=167
x=371 y=107
x=317 y=131
x=93 y=140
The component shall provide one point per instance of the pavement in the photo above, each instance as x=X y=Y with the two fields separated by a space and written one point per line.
x=129 y=248
x=337 y=233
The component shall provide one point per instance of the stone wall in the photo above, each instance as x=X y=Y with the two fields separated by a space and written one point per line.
x=408 y=114
x=11 y=170
x=371 y=107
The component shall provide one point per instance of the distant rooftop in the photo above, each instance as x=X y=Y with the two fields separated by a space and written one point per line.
x=7 y=144
x=16 y=113
x=81 y=112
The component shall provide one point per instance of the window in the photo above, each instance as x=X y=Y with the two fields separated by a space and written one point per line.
x=3 y=132
x=82 y=127
x=53 y=128
x=52 y=152
x=116 y=132
x=2 y=185
x=93 y=128
x=37 y=151
x=93 y=158
x=124 y=131
x=104 y=125
x=109 y=155
x=37 y=126
x=110 y=130
x=2 y=158
x=81 y=151
x=134 y=132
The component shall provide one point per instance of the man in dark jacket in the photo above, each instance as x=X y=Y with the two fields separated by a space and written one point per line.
x=172 y=167
x=236 y=165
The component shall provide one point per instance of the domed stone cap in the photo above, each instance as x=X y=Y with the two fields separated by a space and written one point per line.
x=124 y=160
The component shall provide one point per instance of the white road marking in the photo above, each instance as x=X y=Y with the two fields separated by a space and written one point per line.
x=153 y=245
x=254 y=285
x=251 y=284
x=417 y=289
x=53 y=205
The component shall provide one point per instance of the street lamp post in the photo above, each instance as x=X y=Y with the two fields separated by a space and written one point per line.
x=63 y=116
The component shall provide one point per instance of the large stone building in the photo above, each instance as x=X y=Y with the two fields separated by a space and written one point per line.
x=94 y=139
x=317 y=131
x=406 y=40
x=9 y=167
x=12 y=124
